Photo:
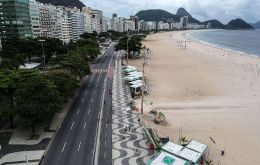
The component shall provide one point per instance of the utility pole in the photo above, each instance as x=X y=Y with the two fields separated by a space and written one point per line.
x=127 y=51
x=43 y=55
x=146 y=53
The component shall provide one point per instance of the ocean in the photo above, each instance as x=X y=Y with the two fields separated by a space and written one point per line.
x=245 y=41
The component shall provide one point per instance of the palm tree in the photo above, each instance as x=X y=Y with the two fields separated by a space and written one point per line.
x=183 y=141
x=208 y=162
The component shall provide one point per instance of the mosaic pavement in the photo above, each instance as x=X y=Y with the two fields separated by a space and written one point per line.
x=129 y=143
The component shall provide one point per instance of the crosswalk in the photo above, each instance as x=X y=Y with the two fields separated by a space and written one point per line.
x=99 y=70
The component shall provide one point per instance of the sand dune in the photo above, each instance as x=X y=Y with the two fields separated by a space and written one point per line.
x=205 y=91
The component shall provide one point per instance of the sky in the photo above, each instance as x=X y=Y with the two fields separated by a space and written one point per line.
x=223 y=10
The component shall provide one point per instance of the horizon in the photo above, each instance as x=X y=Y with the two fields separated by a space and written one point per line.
x=242 y=9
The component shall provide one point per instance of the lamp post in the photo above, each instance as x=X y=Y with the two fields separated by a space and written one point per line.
x=146 y=57
x=43 y=54
x=127 y=51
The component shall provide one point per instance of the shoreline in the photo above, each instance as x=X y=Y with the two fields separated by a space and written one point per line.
x=204 y=91
x=187 y=35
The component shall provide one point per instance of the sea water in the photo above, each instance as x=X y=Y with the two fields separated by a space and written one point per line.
x=245 y=41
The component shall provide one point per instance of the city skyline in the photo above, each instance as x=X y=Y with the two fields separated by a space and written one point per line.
x=247 y=10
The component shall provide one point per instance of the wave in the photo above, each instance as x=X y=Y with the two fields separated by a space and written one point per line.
x=192 y=37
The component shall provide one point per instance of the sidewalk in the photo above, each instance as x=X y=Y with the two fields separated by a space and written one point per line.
x=129 y=143
x=33 y=157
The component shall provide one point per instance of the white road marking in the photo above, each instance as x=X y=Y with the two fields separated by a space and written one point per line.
x=83 y=100
x=92 y=100
x=85 y=125
x=98 y=77
x=78 y=110
x=79 y=145
x=63 y=146
x=72 y=125
x=105 y=143
x=88 y=111
x=94 y=91
x=106 y=125
x=86 y=92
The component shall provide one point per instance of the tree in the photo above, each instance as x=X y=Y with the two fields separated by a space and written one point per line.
x=37 y=99
x=208 y=162
x=9 y=79
x=64 y=82
x=183 y=141
x=74 y=63
x=134 y=44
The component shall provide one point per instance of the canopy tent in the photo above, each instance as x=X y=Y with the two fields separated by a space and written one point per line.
x=132 y=78
x=135 y=82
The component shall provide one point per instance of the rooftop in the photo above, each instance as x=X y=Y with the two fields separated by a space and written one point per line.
x=197 y=146
x=165 y=158
x=29 y=65
x=172 y=148
x=190 y=155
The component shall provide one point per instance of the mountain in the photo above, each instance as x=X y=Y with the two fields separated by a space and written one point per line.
x=68 y=3
x=161 y=15
x=182 y=12
x=215 y=24
x=238 y=24
x=256 y=25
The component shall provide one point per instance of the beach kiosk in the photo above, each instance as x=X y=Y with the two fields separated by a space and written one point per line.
x=193 y=152
x=164 y=158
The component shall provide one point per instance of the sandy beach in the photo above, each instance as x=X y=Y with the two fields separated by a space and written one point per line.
x=205 y=91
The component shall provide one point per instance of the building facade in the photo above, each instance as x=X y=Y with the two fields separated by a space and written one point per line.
x=15 y=19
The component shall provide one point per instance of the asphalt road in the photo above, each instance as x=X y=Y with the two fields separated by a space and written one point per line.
x=75 y=141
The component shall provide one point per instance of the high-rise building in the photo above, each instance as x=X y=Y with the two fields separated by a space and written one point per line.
x=129 y=25
x=95 y=19
x=151 y=25
x=35 y=18
x=114 y=15
x=48 y=15
x=78 y=23
x=135 y=19
x=184 y=21
x=142 y=25
x=15 y=19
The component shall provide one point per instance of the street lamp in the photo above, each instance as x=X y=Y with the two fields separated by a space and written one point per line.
x=146 y=57
x=43 y=55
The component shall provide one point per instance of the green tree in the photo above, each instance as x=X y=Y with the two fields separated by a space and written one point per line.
x=65 y=82
x=134 y=44
x=9 y=79
x=73 y=63
x=37 y=99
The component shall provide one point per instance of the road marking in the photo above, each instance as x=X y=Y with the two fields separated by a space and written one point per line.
x=85 y=125
x=98 y=77
x=63 y=146
x=106 y=125
x=79 y=145
x=72 y=125
x=88 y=111
x=94 y=91
x=92 y=100
x=86 y=92
x=83 y=100
x=78 y=110
x=105 y=143
x=91 y=79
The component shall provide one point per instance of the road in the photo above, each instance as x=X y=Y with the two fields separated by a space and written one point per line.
x=75 y=141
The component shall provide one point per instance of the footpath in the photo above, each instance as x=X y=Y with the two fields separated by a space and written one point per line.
x=129 y=142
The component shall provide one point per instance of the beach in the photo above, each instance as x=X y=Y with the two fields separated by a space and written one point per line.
x=204 y=91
